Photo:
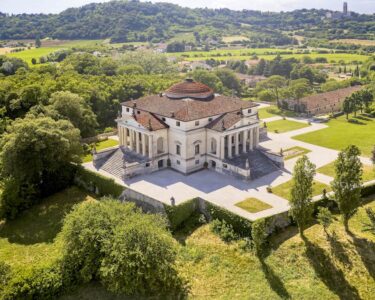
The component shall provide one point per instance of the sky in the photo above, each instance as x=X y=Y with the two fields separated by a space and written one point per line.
x=46 y=6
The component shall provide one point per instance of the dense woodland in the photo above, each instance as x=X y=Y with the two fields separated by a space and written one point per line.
x=124 y=21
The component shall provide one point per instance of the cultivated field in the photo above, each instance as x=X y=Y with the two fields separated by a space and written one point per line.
x=355 y=42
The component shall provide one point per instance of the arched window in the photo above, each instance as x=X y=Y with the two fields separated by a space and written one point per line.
x=160 y=145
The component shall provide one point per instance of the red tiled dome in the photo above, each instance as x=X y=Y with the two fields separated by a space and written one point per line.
x=189 y=89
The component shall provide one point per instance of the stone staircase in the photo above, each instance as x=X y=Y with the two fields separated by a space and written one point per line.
x=114 y=163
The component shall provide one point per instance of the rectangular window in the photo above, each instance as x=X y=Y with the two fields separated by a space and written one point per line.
x=178 y=162
x=197 y=162
x=196 y=123
x=197 y=149
x=178 y=149
x=163 y=119
x=225 y=166
x=127 y=109
x=249 y=111
x=147 y=165
x=178 y=123
x=209 y=119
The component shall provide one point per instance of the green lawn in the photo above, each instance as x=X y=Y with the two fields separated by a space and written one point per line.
x=294 y=152
x=28 y=55
x=284 y=190
x=282 y=126
x=329 y=170
x=100 y=146
x=274 y=111
x=253 y=205
x=341 y=133
x=29 y=239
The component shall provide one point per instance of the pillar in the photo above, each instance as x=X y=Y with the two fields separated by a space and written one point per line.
x=251 y=139
x=229 y=146
x=236 y=143
x=150 y=148
x=125 y=137
x=222 y=147
x=137 y=142
x=143 y=144
x=131 y=139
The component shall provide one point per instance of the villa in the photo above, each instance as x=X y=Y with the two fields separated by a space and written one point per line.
x=188 y=128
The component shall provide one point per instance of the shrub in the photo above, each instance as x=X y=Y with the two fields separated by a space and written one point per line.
x=324 y=217
x=269 y=189
x=223 y=230
x=180 y=213
x=128 y=251
x=240 y=225
x=259 y=234
x=98 y=184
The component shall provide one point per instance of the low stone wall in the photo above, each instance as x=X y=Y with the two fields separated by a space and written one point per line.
x=147 y=204
x=99 y=137
x=277 y=158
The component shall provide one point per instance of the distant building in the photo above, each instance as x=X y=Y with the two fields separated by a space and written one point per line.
x=250 y=80
x=336 y=15
x=323 y=103
x=345 y=8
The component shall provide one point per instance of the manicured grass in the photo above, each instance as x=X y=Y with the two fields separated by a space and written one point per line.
x=253 y=205
x=341 y=133
x=100 y=146
x=274 y=111
x=329 y=170
x=294 y=152
x=284 y=190
x=29 y=239
x=284 y=126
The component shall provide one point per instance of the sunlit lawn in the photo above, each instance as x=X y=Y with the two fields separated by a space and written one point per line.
x=29 y=239
x=294 y=152
x=329 y=170
x=253 y=205
x=341 y=133
x=281 y=126
x=100 y=146
x=274 y=111
x=284 y=190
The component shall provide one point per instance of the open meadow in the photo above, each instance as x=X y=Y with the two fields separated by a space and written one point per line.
x=341 y=133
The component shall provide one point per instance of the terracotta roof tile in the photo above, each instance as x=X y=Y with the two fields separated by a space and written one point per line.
x=149 y=121
x=189 y=89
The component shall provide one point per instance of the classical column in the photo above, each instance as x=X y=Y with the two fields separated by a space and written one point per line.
x=130 y=139
x=120 y=134
x=222 y=147
x=143 y=144
x=150 y=154
x=257 y=137
x=236 y=143
x=229 y=146
x=251 y=139
x=137 y=142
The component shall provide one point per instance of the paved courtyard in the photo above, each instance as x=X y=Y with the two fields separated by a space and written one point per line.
x=226 y=191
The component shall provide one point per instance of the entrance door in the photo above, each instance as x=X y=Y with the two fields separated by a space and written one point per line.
x=160 y=163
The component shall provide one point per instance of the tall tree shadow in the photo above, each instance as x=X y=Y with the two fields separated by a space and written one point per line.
x=338 y=250
x=274 y=281
x=366 y=250
x=332 y=277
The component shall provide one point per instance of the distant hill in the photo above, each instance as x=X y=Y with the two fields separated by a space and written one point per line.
x=142 y=21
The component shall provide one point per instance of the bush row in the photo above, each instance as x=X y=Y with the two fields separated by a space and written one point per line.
x=96 y=183
x=180 y=213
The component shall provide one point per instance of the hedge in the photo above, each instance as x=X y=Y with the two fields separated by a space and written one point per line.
x=180 y=213
x=240 y=225
x=98 y=184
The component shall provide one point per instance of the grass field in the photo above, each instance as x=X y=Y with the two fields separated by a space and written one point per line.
x=341 y=133
x=329 y=170
x=267 y=54
x=273 y=111
x=29 y=239
x=100 y=146
x=28 y=55
x=355 y=42
x=281 y=126
x=284 y=190
x=294 y=152
x=253 y=205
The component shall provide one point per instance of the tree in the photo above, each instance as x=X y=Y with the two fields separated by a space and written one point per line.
x=35 y=161
x=347 y=107
x=228 y=79
x=66 y=105
x=300 y=205
x=325 y=218
x=129 y=252
x=38 y=42
x=208 y=78
x=33 y=61
x=348 y=182
x=259 y=235
x=273 y=85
